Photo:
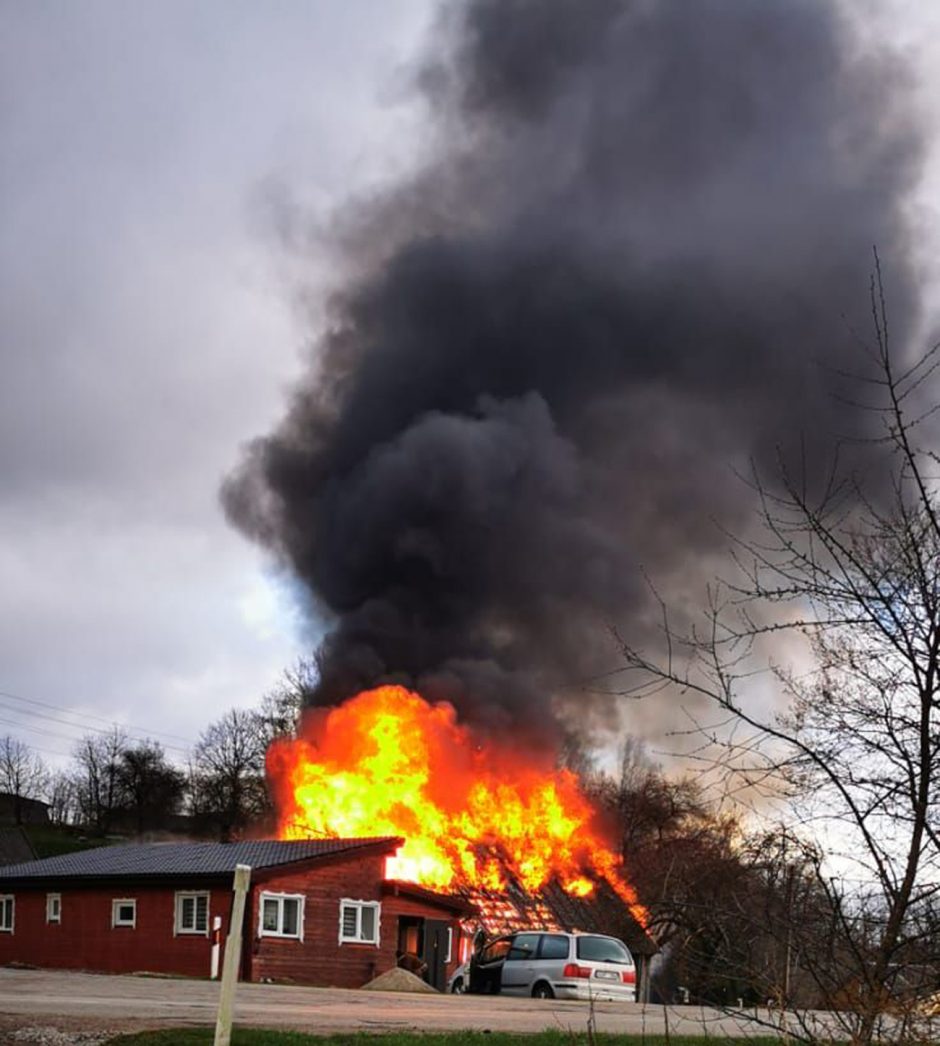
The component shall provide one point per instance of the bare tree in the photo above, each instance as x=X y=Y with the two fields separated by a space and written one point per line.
x=151 y=789
x=22 y=774
x=98 y=789
x=710 y=890
x=853 y=571
x=227 y=772
x=61 y=797
x=282 y=706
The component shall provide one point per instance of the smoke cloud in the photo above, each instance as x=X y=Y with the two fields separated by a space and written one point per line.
x=624 y=271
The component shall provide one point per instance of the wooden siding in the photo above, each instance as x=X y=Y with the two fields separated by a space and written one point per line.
x=85 y=939
x=320 y=958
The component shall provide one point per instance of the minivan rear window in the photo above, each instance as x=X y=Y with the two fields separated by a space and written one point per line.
x=603 y=949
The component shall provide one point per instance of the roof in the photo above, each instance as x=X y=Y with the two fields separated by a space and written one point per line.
x=17 y=809
x=157 y=860
x=15 y=846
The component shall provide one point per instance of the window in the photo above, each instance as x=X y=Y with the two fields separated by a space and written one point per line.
x=603 y=949
x=523 y=946
x=124 y=912
x=192 y=913
x=495 y=951
x=6 y=913
x=53 y=907
x=555 y=946
x=282 y=915
x=359 y=921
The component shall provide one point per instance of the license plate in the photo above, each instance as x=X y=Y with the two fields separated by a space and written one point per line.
x=607 y=975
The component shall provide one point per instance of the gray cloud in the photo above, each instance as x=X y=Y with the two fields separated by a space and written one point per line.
x=145 y=328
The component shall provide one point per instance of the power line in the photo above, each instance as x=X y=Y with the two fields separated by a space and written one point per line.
x=72 y=726
x=130 y=729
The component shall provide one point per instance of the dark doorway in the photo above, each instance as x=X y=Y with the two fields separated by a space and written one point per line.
x=435 y=952
x=422 y=948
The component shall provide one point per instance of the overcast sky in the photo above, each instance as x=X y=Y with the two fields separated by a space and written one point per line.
x=147 y=329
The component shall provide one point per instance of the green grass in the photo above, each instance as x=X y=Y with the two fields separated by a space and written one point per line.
x=51 y=840
x=263 y=1037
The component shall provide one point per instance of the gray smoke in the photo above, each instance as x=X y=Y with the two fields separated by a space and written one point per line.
x=625 y=270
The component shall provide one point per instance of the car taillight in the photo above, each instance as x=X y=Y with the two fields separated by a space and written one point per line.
x=628 y=976
x=574 y=970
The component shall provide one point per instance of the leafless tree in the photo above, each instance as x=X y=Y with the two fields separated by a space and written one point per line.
x=22 y=774
x=714 y=893
x=61 y=796
x=227 y=772
x=854 y=574
x=99 y=793
x=283 y=705
x=151 y=788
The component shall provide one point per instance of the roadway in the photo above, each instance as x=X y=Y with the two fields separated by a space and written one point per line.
x=87 y=1001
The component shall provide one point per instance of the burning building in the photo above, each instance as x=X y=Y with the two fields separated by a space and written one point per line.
x=510 y=834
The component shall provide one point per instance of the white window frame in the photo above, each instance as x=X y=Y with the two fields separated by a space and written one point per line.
x=53 y=900
x=3 y=905
x=450 y=944
x=179 y=930
x=280 y=898
x=117 y=923
x=359 y=905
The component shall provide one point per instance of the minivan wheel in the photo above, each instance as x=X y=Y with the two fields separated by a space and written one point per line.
x=542 y=991
x=457 y=988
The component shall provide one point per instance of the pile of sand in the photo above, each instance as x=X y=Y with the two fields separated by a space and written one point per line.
x=399 y=980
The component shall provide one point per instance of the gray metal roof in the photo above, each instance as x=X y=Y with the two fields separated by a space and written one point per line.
x=175 y=859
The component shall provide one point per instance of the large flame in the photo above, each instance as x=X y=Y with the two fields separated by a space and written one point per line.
x=387 y=762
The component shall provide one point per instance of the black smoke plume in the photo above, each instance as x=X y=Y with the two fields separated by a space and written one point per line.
x=624 y=273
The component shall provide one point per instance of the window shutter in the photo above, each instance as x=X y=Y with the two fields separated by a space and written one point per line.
x=270 y=915
x=349 y=921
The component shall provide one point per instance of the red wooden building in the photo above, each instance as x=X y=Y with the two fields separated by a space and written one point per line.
x=319 y=911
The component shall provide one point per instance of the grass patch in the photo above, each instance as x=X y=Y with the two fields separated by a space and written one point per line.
x=50 y=840
x=265 y=1037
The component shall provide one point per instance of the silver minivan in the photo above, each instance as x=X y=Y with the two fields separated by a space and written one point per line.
x=556 y=965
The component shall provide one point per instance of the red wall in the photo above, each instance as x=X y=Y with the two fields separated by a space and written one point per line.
x=86 y=940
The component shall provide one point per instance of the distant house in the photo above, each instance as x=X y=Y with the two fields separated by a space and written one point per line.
x=15 y=846
x=319 y=911
x=17 y=809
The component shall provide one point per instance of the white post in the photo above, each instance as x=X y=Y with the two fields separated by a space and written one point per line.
x=216 y=937
x=233 y=947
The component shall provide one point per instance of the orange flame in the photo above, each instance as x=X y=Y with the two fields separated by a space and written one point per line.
x=388 y=763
